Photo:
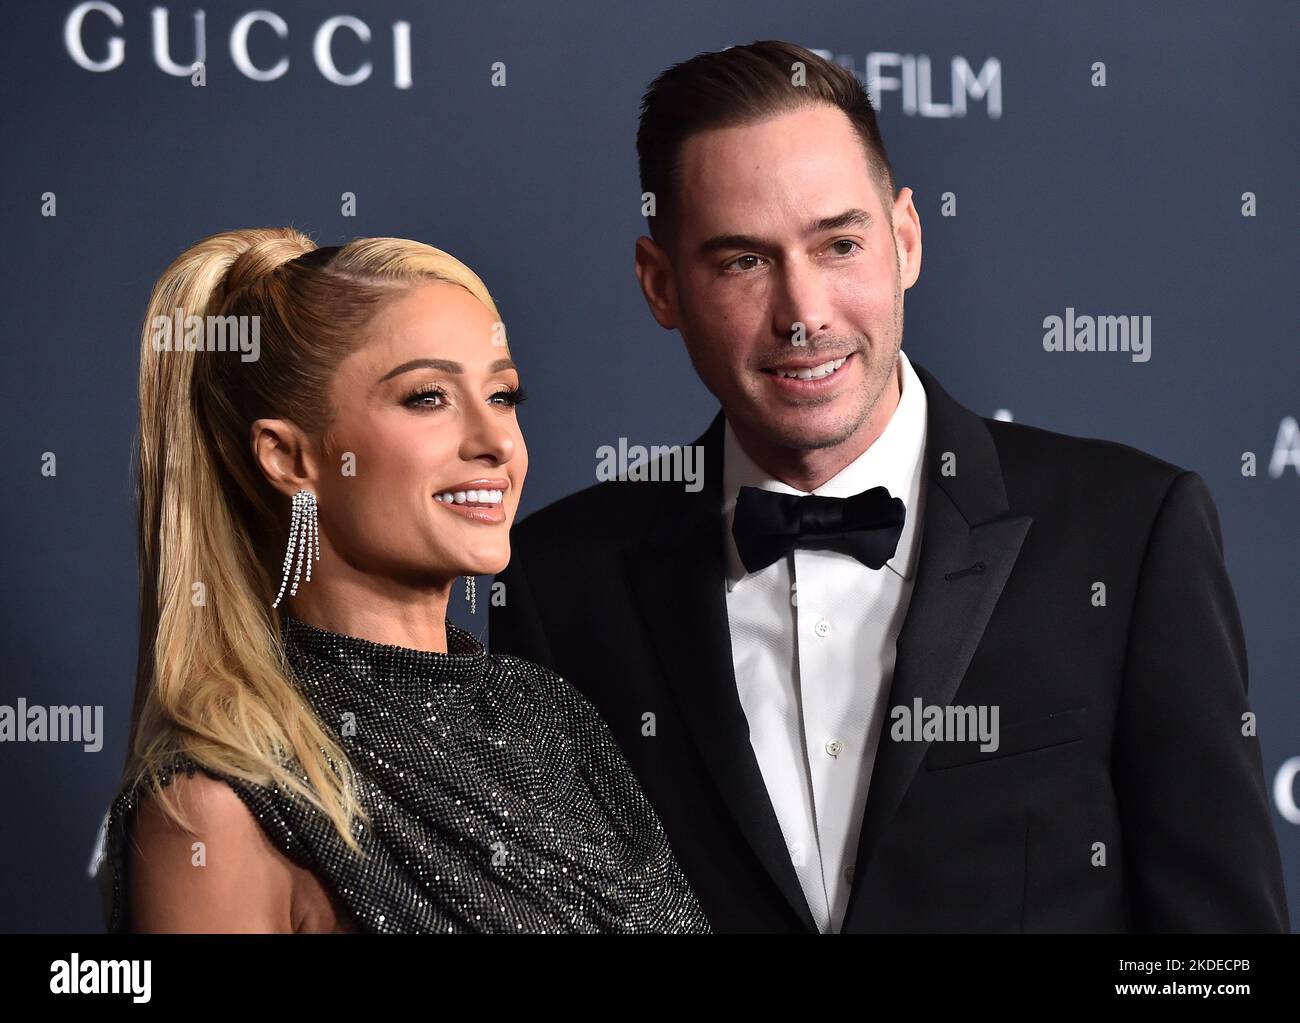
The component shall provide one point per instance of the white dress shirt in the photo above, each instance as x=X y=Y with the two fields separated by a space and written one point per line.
x=813 y=642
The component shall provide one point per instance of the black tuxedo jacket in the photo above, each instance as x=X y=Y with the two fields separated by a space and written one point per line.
x=1123 y=796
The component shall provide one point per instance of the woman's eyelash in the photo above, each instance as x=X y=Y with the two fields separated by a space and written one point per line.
x=510 y=397
x=413 y=399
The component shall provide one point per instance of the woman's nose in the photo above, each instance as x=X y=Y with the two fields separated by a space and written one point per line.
x=488 y=435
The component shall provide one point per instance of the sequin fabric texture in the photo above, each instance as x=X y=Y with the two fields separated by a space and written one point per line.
x=499 y=800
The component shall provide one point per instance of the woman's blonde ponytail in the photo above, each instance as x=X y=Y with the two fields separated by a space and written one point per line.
x=212 y=682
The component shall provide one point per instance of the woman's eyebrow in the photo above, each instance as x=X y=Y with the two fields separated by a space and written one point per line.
x=445 y=365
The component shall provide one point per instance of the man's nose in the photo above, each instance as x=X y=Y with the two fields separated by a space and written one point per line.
x=803 y=308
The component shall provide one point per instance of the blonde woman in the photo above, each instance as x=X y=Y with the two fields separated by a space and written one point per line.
x=314 y=747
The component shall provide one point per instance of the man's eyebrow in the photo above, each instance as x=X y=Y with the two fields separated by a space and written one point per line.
x=725 y=242
x=445 y=365
x=849 y=218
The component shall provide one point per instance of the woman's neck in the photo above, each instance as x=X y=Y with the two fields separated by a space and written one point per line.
x=396 y=616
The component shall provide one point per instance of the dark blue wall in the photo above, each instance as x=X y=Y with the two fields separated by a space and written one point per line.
x=1125 y=199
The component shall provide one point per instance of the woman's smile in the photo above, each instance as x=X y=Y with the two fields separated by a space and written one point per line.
x=479 y=500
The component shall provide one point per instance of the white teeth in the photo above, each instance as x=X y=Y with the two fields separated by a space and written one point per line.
x=470 y=497
x=814 y=372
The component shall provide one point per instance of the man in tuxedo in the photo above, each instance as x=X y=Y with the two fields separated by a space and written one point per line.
x=787 y=654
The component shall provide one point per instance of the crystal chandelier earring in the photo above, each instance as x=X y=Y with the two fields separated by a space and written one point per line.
x=304 y=540
x=470 y=595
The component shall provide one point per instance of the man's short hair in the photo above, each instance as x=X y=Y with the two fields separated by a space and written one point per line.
x=736 y=86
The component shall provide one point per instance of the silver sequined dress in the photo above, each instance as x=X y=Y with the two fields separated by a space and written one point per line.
x=499 y=800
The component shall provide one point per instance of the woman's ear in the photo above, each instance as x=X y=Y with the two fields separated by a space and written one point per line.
x=281 y=450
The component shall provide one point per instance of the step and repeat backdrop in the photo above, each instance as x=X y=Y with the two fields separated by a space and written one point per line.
x=1068 y=161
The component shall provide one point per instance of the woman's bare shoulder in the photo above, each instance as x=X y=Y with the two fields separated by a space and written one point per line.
x=223 y=876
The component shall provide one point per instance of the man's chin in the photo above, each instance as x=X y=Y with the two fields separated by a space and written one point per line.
x=804 y=435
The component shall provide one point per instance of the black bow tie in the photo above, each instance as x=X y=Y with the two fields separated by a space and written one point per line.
x=769 y=525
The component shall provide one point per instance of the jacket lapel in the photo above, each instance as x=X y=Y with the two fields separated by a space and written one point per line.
x=678 y=576
x=967 y=524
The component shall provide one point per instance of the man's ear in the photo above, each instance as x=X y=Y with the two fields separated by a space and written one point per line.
x=283 y=453
x=654 y=270
x=907 y=238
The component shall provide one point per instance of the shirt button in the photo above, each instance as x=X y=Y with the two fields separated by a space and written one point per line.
x=848 y=873
x=834 y=747
x=822 y=628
